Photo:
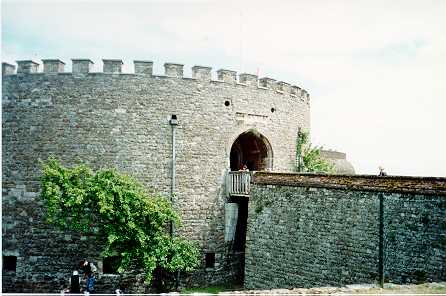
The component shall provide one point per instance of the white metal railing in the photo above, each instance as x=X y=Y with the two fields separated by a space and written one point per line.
x=239 y=183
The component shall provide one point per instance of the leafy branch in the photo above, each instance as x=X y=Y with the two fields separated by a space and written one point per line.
x=133 y=222
x=308 y=157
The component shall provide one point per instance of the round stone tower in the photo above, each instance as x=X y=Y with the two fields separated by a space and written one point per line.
x=339 y=159
x=184 y=137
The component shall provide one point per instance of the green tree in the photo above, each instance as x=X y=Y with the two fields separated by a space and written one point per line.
x=133 y=223
x=308 y=158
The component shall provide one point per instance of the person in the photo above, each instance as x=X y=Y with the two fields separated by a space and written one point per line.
x=382 y=172
x=75 y=281
x=244 y=168
x=64 y=291
x=89 y=270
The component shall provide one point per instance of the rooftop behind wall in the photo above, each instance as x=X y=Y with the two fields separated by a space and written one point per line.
x=172 y=70
x=333 y=154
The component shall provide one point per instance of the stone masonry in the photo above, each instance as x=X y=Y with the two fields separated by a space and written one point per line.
x=114 y=119
x=320 y=230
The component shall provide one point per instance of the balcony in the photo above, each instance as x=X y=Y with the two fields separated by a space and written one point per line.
x=238 y=183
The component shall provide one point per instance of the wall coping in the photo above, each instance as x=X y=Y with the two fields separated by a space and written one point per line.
x=387 y=184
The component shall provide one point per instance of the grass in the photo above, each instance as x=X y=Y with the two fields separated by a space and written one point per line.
x=207 y=290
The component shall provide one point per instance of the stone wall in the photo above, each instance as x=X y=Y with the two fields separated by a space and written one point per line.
x=122 y=120
x=321 y=230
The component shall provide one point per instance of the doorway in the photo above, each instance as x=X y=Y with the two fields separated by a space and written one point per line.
x=237 y=248
x=253 y=150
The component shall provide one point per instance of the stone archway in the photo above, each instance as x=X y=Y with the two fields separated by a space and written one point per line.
x=253 y=150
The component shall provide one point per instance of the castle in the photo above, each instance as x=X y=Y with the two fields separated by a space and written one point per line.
x=184 y=137
x=187 y=138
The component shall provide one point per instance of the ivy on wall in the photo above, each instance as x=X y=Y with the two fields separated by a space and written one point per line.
x=308 y=157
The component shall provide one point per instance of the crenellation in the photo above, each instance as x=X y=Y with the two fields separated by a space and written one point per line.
x=82 y=65
x=267 y=82
x=283 y=87
x=173 y=70
x=201 y=73
x=53 y=66
x=112 y=65
x=7 y=69
x=249 y=79
x=299 y=92
x=305 y=95
x=143 y=67
x=27 y=67
x=227 y=76
x=293 y=90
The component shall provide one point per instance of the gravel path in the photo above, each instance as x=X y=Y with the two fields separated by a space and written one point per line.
x=428 y=288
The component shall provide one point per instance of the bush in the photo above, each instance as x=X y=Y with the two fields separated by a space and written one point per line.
x=133 y=222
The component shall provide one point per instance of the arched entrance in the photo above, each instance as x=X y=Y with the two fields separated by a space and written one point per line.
x=253 y=150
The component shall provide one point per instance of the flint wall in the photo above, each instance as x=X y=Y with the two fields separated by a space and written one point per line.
x=322 y=230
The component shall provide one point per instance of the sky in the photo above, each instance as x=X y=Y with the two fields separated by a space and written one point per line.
x=375 y=70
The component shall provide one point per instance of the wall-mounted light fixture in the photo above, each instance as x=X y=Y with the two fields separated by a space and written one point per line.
x=173 y=120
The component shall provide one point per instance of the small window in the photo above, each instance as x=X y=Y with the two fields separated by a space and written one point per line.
x=227 y=103
x=110 y=265
x=9 y=263
x=210 y=260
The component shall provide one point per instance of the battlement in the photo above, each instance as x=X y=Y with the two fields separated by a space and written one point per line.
x=145 y=68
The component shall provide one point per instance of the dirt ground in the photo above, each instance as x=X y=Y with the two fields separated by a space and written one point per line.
x=428 y=288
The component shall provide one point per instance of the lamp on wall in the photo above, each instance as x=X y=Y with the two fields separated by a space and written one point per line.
x=173 y=120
